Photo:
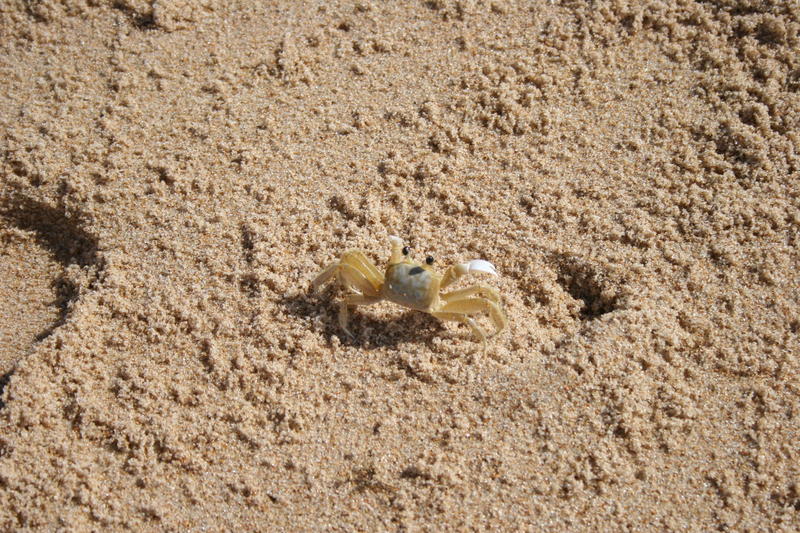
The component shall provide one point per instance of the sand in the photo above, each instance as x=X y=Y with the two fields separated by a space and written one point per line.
x=174 y=174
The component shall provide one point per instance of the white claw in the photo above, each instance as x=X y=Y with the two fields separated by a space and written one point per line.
x=396 y=240
x=480 y=265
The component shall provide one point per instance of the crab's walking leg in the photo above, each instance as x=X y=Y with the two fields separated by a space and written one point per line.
x=327 y=273
x=353 y=299
x=356 y=274
x=358 y=260
x=472 y=306
x=353 y=273
x=489 y=292
x=464 y=319
x=368 y=292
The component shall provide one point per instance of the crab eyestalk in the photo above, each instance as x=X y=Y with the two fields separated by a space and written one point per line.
x=397 y=250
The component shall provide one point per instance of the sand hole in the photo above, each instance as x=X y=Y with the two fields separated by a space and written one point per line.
x=587 y=285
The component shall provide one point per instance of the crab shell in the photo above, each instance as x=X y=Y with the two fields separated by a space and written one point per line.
x=417 y=286
x=411 y=285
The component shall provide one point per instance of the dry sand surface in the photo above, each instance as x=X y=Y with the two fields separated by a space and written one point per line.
x=174 y=174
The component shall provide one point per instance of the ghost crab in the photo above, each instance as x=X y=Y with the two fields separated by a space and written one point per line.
x=415 y=286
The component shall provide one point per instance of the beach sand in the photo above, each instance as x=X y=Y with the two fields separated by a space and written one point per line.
x=174 y=174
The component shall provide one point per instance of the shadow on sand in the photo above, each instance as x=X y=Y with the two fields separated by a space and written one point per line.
x=367 y=331
x=66 y=240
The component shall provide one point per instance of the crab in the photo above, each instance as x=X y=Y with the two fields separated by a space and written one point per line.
x=415 y=286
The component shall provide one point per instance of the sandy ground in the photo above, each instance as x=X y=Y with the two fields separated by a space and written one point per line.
x=174 y=174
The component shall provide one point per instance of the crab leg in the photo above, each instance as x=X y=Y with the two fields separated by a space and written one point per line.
x=358 y=260
x=327 y=273
x=350 y=277
x=490 y=292
x=353 y=299
x=453 y=274
x=472 y=306
x=353 y=278
x=355 y=273
x=464 y=319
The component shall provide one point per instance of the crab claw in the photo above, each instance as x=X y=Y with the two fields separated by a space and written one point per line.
x=395 y=240
x=480 y=265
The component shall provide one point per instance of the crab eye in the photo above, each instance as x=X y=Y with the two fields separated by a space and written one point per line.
x=429 y=260
x=406 y=250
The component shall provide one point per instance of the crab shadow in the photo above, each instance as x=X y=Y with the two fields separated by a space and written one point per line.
x=367 y=330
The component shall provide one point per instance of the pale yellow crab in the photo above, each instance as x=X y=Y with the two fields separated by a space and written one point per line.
x=415 y=286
